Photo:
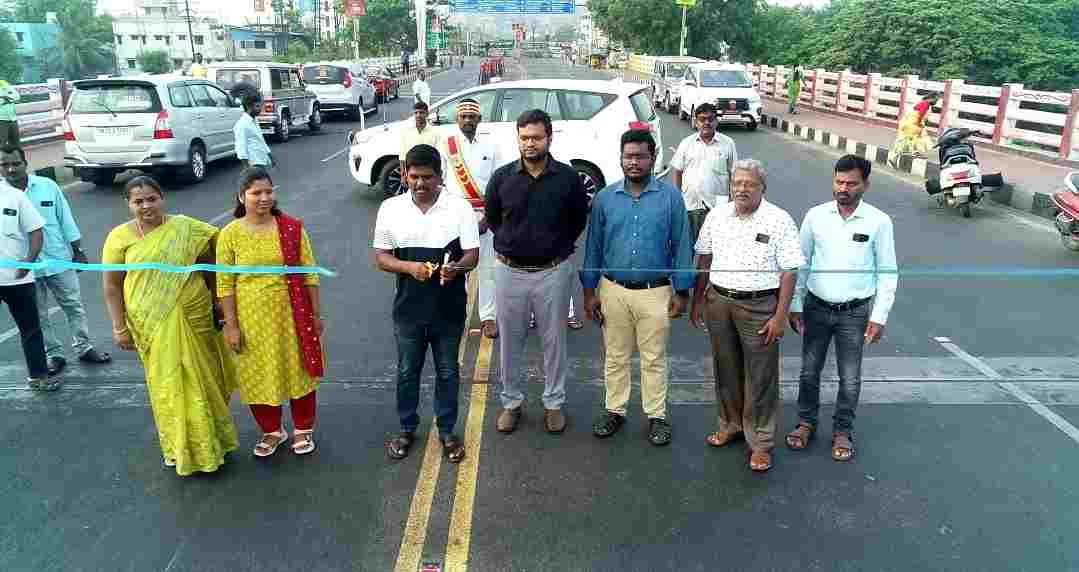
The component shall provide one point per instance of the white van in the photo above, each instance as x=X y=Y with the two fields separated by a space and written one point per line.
x=727 y=86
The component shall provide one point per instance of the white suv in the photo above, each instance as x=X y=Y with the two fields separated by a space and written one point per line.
x=728 y=87
x=588 y=118
x=341 y=87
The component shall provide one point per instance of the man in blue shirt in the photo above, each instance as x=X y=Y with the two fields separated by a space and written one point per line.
x=638 y=246
x=251 y=147
x=63 y=241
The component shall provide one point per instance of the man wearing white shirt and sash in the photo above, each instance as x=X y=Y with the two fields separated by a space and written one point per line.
x=470 y=163
x=845 y=234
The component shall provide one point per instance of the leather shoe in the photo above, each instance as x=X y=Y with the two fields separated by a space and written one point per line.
x=508 y=419
x=56 y=365
x=554 y=421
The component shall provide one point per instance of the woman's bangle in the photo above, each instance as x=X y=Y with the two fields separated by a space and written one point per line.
x=120 y=331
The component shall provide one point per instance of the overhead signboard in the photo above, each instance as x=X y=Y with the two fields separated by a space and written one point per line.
x=513 y=6
x=355 y=8
x=686 y=3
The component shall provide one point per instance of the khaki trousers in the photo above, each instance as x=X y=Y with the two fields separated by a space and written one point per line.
x=635 y=319
x=747 y=371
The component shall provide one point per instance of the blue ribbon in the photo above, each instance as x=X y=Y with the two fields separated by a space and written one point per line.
x=219 y=268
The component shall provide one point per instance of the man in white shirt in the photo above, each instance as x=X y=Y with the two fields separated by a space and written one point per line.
x=470 y=161
x=21 y=239
x=751 y=248
x=251 y=147
x=701 y=168
x=419 y=133
x=845 y=234
x=420 y=89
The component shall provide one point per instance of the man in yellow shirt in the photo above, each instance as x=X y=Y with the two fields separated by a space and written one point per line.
x=419 y=134
x=197 y=67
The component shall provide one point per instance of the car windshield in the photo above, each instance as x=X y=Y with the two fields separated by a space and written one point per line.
x=725 y=78
x=321 y=74
x=115 y=98
x=229 y=78
x=676 y=70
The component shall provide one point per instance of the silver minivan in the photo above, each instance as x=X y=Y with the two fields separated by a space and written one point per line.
x=286 y=101
x=160 y=124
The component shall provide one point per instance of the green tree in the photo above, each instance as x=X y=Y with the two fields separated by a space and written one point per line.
x=387 y=27
x=297 y=53
x=655 y=28
x=155 y=61
x=10 y=69
x=84 y=45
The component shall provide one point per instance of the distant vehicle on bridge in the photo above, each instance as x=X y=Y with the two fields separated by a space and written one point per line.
x=342 y=86
x=727 y=86
x=588 y=116
x=286 y=101
x=670 y=72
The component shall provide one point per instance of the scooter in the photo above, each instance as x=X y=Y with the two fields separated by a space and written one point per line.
x=961 y=182
x=1067 y=221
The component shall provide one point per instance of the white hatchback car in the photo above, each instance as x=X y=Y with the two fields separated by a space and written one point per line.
x=588 y=118
x=727 y=86
x=341 y=86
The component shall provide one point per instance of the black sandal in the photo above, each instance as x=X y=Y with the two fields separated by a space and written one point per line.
x=397 y=448
x=659 y=433
x=608 y=424
x=453 y=448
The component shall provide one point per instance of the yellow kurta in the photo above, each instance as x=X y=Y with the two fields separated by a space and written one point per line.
x=188 y=373
x=269 y=368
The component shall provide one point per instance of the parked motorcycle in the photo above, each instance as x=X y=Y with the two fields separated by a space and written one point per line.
x=961 y=182
x=1067 y=200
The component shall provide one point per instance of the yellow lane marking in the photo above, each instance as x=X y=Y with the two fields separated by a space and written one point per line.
x=408 y=558
x=464 y=496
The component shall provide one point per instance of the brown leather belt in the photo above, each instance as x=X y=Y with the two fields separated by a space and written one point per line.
x=743 y=294
x=530 y=267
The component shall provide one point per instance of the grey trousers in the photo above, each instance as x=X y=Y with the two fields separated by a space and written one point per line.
x=545 y=293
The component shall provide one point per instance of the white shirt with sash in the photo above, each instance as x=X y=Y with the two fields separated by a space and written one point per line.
x=479 y=157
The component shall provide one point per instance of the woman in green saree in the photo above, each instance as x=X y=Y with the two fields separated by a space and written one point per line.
x=169 y=318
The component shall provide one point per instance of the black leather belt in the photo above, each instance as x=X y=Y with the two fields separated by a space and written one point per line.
x=841 y=307
x=530 y=267
x=744 y=295
x=645 y=285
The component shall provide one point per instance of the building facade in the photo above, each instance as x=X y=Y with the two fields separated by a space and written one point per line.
x=34 y=49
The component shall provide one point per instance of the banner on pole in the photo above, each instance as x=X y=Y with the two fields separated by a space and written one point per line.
x=355 y=8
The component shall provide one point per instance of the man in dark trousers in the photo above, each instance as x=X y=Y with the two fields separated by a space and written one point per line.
x=537 y=208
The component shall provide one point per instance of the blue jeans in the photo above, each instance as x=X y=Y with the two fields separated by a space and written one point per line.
x=412 y=342
x=65 y=288
x=821 y=324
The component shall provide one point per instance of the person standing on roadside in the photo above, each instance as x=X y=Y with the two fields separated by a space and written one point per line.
x=427 y=238
x=420 y=89
x=846 y=233
x=795 y=84
x=537 y=208
x=701 y=167
x=471 y=163
x=21 y=240
x=63 y=241
x=751 y=248
x=404 y=62
x=637 y=223
x=9 y=121
x=251 y=147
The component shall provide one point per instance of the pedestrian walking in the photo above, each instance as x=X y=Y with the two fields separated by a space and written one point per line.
x=9 y=121
x=405 y=68
x=911 y=138
x=638 y=246
x=22 y=236
x=844 y=234
x=63 y=241
x=273 y=323
x=701 y=167
x=428 y=239
x=419 y=133
x=537 y=208
x=751 y=248
x=795 y=84
x=169 y=319
x=471 y=161
x=420 y=90
x=251 y=147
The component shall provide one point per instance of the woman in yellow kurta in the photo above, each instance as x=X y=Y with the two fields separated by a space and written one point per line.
x=168 y=317
x=276 y=361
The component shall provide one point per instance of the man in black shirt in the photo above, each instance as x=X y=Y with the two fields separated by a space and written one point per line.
x=428 y=239
x=537 y=209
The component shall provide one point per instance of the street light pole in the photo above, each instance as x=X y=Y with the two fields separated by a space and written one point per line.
x=682 y=45
x=190 y=33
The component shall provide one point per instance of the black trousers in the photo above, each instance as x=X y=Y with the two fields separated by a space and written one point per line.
x=21 y=300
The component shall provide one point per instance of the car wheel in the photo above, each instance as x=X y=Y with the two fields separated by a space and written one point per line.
x=99 y=177
x=752 y=126
x=283 y=129
x=682 y=114
x=194 y=171
x=591 y=180
x=390 y=179
x=314 y=123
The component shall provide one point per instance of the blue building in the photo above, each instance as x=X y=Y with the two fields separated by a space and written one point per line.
x=32 y=45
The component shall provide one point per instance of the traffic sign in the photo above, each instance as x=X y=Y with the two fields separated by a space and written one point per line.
x=686 y=3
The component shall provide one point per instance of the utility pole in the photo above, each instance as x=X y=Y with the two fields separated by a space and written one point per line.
x=190 y=33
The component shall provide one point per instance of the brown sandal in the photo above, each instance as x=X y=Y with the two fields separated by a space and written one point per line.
x=453 y=448
x=721 y=438
x=842 y=446
x=760 y=461
x=801 y=436
x=397 y=448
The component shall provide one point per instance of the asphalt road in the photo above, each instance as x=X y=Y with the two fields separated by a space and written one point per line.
x=965 y=459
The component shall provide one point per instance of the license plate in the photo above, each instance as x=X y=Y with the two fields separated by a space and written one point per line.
x=961 y=191
x=113 y=134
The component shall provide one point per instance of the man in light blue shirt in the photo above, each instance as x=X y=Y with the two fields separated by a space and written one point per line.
x=62 y=241
x=251 y=147
x=845 y=234
x=638 y=247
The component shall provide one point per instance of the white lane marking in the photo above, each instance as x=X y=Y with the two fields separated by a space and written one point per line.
x=335 y=155
x=15 y=331
x=1020 y=394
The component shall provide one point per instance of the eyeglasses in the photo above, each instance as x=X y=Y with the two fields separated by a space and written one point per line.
x=636 y=158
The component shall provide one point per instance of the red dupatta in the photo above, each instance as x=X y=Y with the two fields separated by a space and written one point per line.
x=290 y=231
